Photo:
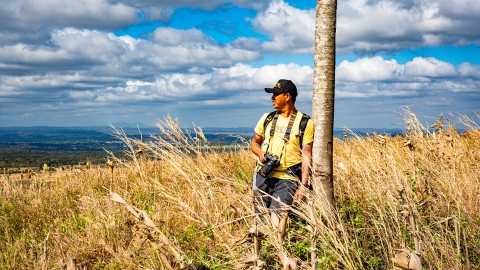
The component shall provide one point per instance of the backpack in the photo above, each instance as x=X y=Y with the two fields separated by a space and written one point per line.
x=303 y=125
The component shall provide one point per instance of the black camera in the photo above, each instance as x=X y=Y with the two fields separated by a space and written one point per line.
x=271 y=163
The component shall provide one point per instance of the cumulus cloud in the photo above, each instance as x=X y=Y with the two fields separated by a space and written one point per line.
x=206 y=5
x=251 y=44
x=173 y=37
x=416 y=80
x=235 y=81
x=429 y=67
x=419 y=69
x=369 y=69
x=470 y=71
x=291 y=30
x=235 y=87
x=30 y=17
x=363 y=78
x=100 y=53
x=29 y=21
x=405 y=24
x=397 y=25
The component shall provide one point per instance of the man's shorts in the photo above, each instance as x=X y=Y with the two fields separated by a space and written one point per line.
x=282 y=189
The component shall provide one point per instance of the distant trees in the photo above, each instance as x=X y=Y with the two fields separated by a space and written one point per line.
x=24 y=158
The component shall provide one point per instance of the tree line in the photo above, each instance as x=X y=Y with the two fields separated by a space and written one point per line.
x=22 y=158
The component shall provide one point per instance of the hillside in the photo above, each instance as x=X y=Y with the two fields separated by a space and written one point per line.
x=176 y=200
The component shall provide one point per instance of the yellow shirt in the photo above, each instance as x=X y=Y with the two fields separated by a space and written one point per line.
x=291 y=149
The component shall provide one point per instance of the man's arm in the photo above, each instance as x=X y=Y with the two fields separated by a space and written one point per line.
x=306 y=162
x=306 y=168
x=255 y=146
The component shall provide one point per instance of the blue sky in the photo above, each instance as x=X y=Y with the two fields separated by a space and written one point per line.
x=94 y=62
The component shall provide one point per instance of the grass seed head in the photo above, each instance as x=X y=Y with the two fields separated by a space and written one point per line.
x=110 y=164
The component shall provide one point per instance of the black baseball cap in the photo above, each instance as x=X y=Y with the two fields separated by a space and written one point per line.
x=283 y=86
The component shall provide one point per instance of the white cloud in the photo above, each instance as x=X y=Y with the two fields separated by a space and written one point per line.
x=82 y=95
x=104 y=54
x=378 y=69
x=174 y=37
x=429 y=67
x=220 y=82
x=460 y=9
x=32 y=15
x=28 y=21
x=376 y=77
x=291 y=30
x=268 y=75
x=388 y=25
x=158 y=13
x=369 y=69
x=206 y=5
x=469 y=70
x=366 y=77
x=373 y=26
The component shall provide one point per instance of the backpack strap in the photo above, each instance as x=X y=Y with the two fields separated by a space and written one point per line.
x=269 y=119
x=286 y=137
x=303 y=126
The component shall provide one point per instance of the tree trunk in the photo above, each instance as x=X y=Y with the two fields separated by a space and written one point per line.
x=323 y=98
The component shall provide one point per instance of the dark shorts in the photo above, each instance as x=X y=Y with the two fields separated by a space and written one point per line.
x=278 y=188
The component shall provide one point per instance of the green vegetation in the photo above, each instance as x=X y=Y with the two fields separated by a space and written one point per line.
x=417 y=191
x=23 y=158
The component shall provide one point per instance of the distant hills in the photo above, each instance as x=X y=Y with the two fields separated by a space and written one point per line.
x=56 y=146
x=131 y=125
x=99 y=135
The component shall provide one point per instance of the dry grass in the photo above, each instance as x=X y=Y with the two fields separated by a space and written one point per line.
x=419 y=191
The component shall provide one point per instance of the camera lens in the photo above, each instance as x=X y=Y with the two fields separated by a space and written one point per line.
x=266 y=169
x=272 y=163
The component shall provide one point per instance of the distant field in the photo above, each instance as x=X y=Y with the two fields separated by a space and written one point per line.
x=59 y=146
x=33 y=147
x=14 y=160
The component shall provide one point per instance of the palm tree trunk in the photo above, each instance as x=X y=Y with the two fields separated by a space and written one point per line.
x=323 y=98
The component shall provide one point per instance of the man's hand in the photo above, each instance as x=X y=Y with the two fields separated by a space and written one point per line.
x=262 y=158
x=300 y=194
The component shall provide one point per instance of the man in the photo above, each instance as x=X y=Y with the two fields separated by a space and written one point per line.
x=281 y=138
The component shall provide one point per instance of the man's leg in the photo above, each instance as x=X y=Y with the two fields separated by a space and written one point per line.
x=262 y=188
x=283 y=190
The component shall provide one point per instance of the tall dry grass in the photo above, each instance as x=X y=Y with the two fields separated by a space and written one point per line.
x=419 y=191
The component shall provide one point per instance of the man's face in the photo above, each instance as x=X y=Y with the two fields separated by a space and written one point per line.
x=279 y=100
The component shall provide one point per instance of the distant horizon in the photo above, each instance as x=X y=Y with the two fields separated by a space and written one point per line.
x=424 y=120
x=133 y=125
